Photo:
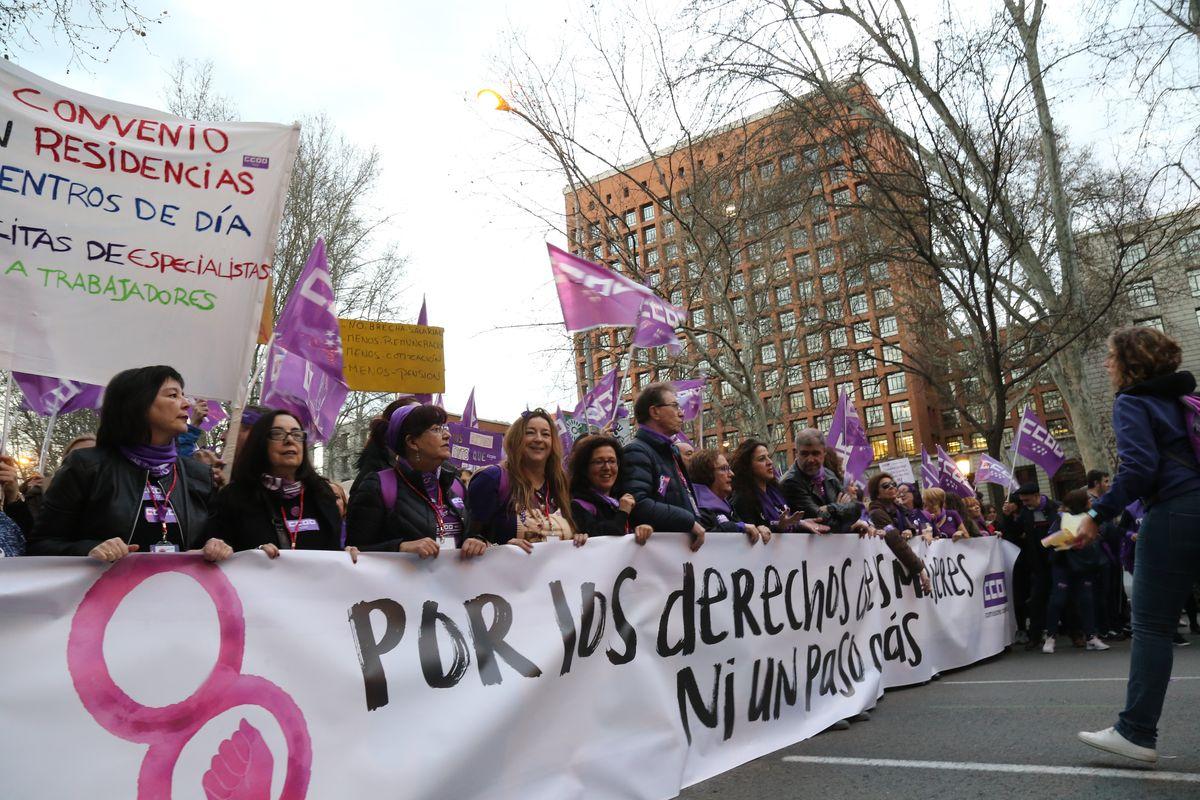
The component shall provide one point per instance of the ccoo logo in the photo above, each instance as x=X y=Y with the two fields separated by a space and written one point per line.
x=995 y=590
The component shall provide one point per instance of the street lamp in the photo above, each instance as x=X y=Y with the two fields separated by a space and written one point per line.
x=964 y=466
x=491 y=100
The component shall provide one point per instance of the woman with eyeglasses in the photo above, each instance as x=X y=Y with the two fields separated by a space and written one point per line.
x=757 y=498
x=713 y=478
x=525 y=499
x=915 y=518
x=132 y=492
x=275 y=501
x=594 y=467
x=416 y=505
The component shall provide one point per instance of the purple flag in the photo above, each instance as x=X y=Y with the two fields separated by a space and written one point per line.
x=593 y=296
x=681 y=438
x=929 y=473
x=438 y=401
x=565 y=433
x=599 y=406
x=690 y=396
x=469 y=418
x=952 y=480
x=46 y=396
x=847 y=437
x=1035 y=442
x=993 y=471
x=423 y=319
x=216 y=413
x=653 y=329
x=304 y=364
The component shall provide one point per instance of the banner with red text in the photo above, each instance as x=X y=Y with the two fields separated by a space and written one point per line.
x=608 y=671
x=129 y=236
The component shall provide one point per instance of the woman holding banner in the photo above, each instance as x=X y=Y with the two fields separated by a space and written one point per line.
x=526 y=499
x=594 y=467
x=275 y=500
x=757 y=498
x=131 y=492
x=415 y=506
x=713 y=478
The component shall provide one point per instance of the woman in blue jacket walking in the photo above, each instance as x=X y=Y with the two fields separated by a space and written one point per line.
x=1158 y=465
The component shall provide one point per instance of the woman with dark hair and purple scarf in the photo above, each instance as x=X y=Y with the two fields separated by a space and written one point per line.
x=713 y=479
x=757 y=498
x=131 y=492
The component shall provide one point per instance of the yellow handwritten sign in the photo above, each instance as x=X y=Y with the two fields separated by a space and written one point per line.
x=390 y=357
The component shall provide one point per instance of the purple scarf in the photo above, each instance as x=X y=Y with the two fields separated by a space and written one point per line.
x=772 y=503
x=708 y=500
x=155 y=459
x=282 y=487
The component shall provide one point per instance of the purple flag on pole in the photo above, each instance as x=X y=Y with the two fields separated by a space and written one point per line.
x=304 y=364
x=1035 y=442
x=849 y=439
x=690 y=396
x=599 y=405
x=593 y=296
x=46 y=396
x=653 y=329
x=994 y=471
x=423 y=319
x=952 y=479
x=929 y=472
x=469 y=418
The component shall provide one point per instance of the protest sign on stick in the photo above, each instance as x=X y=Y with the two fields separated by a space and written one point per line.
x=135 y=237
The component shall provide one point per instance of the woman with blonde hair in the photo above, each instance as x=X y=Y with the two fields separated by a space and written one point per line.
x=526 y=499
x=1156 y=419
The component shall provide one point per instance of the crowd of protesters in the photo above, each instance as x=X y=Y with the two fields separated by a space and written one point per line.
x=140 y=485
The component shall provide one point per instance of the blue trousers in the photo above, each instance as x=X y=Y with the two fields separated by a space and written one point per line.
x=1167 y=563
x=1078 y=585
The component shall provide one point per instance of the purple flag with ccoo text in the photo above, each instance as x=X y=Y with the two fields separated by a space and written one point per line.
x=847 y=437
x=951 y=478
x=929 y=472
x=599 y=406
x=994 y=471
x=653 y=328
x=1035 y=442
x=593 y=296
x=304 y=364
x=690 y=396
x=46 y=396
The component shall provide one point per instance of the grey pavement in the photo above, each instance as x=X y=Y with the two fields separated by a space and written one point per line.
x=960 y=720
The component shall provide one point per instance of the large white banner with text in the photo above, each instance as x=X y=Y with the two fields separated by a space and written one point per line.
x=609 y=671
x=130 y=237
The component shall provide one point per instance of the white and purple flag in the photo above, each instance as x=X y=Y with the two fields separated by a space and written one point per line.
x=929 y=472
x=1035 y=442
x=599 y=406
x=992 y=470
x=654 y=329
x=216 y=413
x=847 y=437
x=304 y=364
x=593 y=296
x=469 y=417
x=690 y=396
x=47 y=396
x=951 y=478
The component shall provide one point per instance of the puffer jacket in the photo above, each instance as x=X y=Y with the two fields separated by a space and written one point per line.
x=653 y=473
x=372 y=526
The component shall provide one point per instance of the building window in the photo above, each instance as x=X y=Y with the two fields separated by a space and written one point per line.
x=780 y=271
x=1190 y=245
x=837 y=338
x=901 y=412
x=870 y=388
x=804 y=290
x=829 y=284
x=858 y=304
x=738 y=281
x=892 y=354
x=764 y=327
x=630 y=219
x=677 y=298
x=651 y=234
x=954 y=445
x=888 y=326
x=776 y=246
x=783 y=295
x=794 y=375
x=823 y=422
x=788 y=163
x=841 y=365
x=866 y=360
x=978 y=441
x=766 y=171
x=821 y=397
x=878 y=271
x=817 y=370
x=879 y=446
x=797 y=401
x=841 y=198
x=873 y=416
x=697 y=317
x=787 y=321
x=833 y=309
x=652 y=258
x=813 y=343
x=1051 y=401
x=668 y=229
x=799 y=238
x=655 y=279
x=821 y=231
x=905 y=444
x=825 y=256
x=771 y=379
x=594 y=230
x=950 y=418
x=1058 y=427
x=672 y=252
x=739 y=306
x=1152 y=322
x=1142 y=295
x=768 y=353
x=1133 y=255
x=883 y=298
x=862 y=332
x=647 y=212
x=896 y=383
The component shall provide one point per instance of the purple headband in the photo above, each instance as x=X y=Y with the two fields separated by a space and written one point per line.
x=395 y=422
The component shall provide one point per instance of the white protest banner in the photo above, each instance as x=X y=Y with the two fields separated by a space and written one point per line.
x=608 y=671
x=900 y=469
x=130 y=237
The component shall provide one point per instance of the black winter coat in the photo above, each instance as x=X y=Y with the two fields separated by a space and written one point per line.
x=595 y=517
x=653 y=473
x=246 y=517
x=800 y=495
x=1023 y=531
x=371 y=526
x=97 y=495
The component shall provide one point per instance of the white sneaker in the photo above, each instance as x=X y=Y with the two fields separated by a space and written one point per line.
x=1094 y=643
x=1110 y=741
x=1048 y=645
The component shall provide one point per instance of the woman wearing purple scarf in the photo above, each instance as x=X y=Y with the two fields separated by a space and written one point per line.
x=131 y=492
x=757 y=498
x=713 y=480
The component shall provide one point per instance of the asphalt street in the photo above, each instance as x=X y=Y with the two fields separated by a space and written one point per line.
x=1004 y=728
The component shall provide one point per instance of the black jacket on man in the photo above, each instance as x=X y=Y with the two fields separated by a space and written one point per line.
x=371 y=526
x=1025 y=531
x=801 y=495
x=653 y=473
x=96 y=495
x=245 y=517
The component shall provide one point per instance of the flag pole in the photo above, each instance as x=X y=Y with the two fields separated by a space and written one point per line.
x=1012 y=466
x=620 y=382
x=4 y=429
x=46 y=443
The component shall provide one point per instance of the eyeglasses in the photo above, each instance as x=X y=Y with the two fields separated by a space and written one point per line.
x=887 y=485
x=438 y=429
x=667 y=405
x=725 y=468
x=603 y=462
x=280 y=435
